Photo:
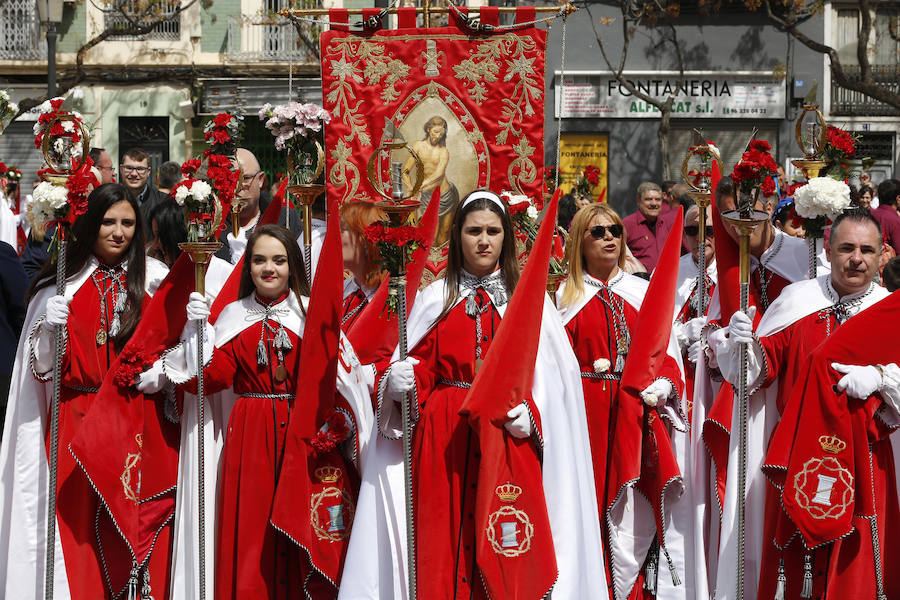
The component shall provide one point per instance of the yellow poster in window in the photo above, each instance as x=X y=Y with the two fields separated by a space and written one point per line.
x=579 y=151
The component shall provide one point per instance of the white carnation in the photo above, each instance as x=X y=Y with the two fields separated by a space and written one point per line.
x=181 y=194
x=532 y=212
x=13 y=107
x=200 y=190
x=47 y=199
x=822 y=196
x=4 y=95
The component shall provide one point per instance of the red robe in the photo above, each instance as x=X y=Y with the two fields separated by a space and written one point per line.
x=445 y=462
x=252 y=559
x=852 y=520
x=87 y=534
x=593 y=335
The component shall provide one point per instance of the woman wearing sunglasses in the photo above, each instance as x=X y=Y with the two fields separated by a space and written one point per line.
x=599 y=305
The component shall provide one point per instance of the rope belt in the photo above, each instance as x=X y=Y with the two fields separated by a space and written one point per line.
x=266 y=396
x=82 y=389
x=458 y=384
x=607 y=376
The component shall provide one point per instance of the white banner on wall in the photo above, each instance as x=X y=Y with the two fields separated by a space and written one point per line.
x=742 y=95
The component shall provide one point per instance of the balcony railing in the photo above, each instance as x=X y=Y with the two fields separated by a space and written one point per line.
x=20 y=34
x=846 y=102
x=269 y=39
x=169 y=30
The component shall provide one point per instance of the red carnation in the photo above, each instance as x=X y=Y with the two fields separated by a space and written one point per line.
x=222 y=119
x=190 y=166
x=768 y=186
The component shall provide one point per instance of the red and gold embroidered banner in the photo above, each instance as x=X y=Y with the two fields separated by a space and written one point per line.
x=471 y=107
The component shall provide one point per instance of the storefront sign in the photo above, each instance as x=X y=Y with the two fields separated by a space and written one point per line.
x=591 y=95
x=577 y=151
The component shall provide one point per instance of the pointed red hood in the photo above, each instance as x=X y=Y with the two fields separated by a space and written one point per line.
x=321 y=336
x=641 y=447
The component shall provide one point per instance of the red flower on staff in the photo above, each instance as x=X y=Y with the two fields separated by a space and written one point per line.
x=190 y=166
x=841 y=141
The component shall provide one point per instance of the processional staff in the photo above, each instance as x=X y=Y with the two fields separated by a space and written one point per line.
x=745 y=219
x=64 y=143
x=699 y=182
x=399 y=210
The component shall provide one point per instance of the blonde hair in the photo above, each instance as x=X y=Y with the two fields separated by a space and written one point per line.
x=580 y=224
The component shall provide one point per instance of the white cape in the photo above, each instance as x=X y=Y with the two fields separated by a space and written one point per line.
x=376 y=560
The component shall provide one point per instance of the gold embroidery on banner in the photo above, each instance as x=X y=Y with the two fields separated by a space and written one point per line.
x=522 y=169
x=338 y=174
x=132 y=461
x=362 y=61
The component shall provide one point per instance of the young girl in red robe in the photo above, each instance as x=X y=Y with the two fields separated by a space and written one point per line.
x=254 y=350
x=107 y=282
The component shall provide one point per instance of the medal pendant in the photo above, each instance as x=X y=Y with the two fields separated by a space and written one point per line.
x=478 y=362
x=101 y=337
x=281 y=374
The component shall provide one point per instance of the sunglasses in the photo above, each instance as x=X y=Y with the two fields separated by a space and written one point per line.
x=693 y=230
x=598 y=232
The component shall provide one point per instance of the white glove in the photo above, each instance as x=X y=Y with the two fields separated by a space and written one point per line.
x=402 y=377
x=657 y=392
x=688 y=333
x=694 y=351
x=740 y=329
x=152 y=380
x=519 y=424
x=197 y=307
x=238 y=245
x=57 y=310
x=858 y=381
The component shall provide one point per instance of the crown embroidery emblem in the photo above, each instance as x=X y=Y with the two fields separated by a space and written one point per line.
x=832 y=444
x=508 y=492
x=328 y=474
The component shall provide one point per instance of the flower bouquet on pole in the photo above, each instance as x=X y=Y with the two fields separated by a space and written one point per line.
x=295 y=127
x=58 y=200
x=205 y=197
x=223 y=134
